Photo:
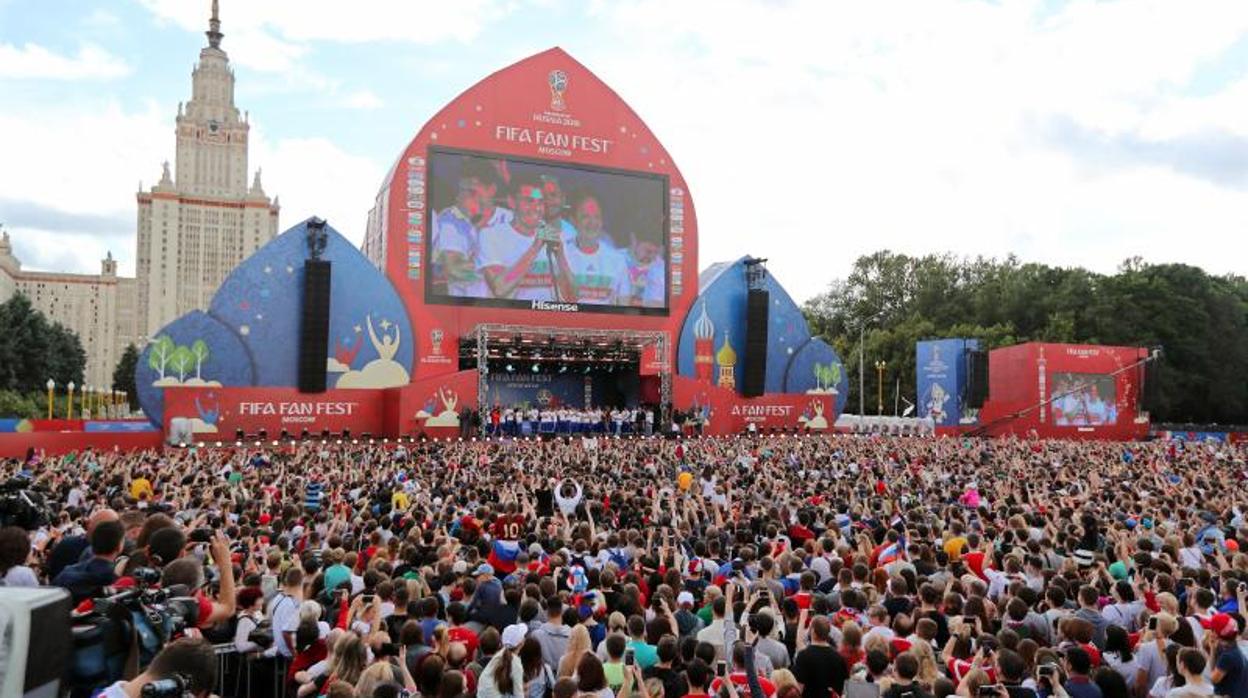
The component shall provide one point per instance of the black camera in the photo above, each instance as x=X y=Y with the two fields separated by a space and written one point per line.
x=23 y=504
x=175 y=687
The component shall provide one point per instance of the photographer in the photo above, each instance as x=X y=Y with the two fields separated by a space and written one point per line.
x=187 y=666
x=189 y=572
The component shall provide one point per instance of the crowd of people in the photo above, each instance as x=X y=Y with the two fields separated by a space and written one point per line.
x=773 y=566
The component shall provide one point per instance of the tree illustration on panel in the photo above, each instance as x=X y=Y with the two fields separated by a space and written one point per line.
x=162 y=352
x=199 y=351
x=181 y=361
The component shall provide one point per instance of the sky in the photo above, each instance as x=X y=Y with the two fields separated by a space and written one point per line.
x=810 y=132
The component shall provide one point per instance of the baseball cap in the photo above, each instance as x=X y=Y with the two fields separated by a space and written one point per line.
x=684 y=598
x=513 y=635
x=460 y=567
x=1222 y=625
x=484 y=568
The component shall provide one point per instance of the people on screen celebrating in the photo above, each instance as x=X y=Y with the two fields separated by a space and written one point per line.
x=599 y=274
x=525 y=259
x=455 y=241
x=647 y=273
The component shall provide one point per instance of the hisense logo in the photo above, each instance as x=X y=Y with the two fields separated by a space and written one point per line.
x=556 y=307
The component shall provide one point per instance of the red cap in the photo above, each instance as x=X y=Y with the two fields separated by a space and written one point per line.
x=1222 y=625
x=265 y=519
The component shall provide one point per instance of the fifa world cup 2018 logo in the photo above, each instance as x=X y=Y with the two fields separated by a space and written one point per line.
x=435 y=339
x=558 y=85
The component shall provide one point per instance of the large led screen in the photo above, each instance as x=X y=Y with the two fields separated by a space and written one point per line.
x=519 y=233
x=1083 y=399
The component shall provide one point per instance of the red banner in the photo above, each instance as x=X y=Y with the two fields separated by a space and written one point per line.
x=726 y=412
x=225 y=410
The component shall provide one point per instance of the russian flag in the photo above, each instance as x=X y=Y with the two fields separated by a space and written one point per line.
x=502 y=556
x=893 y=552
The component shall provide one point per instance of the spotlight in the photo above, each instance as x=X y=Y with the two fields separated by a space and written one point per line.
x=239 y=435
x=264 y=434
x=238 y=444
x=346 y=433
x=257 y=444
x=563 y=368
x=586 y=369
x=218 y=444
x=304 y=434
x=285 y=435
x=536 y=367
x=181 y=444
x=511 y=368
x=275 y=443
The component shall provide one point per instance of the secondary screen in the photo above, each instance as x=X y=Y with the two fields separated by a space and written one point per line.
x=1083 y=399
x=544 y=236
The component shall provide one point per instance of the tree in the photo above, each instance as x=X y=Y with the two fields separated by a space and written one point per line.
x=160 y=355
x=1200 y=321
x=199 y=350
x=123 y=375
x=181 y=361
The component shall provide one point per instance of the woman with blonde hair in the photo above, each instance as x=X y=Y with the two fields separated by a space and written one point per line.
x=782 y=679
x=349 y=660
x=929 y=671
x=382 y=673
x=969 y=686
x=578 y=645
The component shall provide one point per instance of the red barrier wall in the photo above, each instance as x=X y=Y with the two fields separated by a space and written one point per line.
x=730 y=413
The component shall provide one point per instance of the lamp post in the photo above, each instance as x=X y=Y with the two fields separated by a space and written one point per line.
x=879 y=369
x=69 y=401
x=862 y=362
x=84 y=410
x=51 y=384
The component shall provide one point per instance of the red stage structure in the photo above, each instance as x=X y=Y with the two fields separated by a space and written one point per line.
x=1071 y=391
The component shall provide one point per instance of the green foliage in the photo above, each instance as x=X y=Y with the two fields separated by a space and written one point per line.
x=181 y=361
x=32 y=350
x=123 y=375
x=161 y=354
x=1201 y=321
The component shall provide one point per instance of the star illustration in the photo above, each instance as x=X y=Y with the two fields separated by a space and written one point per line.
x=259 y=316
x=385 y=324
x=268 y=269
x=357 y=328
x=290 y=269
x=244 y=330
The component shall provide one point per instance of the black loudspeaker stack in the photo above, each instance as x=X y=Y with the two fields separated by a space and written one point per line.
x=314 y=326
x=754 y=380
x=977 y=382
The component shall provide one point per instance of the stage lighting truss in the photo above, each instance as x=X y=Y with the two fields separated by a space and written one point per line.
x=563 y=349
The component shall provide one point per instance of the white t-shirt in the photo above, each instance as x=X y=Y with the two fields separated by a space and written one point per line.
x=20 y=576
x=601 y=276
x=284 y=610
x=503 y=246
x=1204 y=689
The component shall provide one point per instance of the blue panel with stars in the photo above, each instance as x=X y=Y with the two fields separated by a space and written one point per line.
x=194 y=350
x=368 y=325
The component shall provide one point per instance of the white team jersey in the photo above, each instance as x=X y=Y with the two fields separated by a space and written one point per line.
x=502 y=246
x=601 y=276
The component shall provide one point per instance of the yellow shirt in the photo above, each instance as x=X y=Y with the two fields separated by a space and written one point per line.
x=954 y=546
x=141 y=486
x=399 y=500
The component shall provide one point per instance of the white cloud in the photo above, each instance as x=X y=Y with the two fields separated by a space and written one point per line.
x=314 y=177
x=32 y=61
x=841 y=129
x=362 y=99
